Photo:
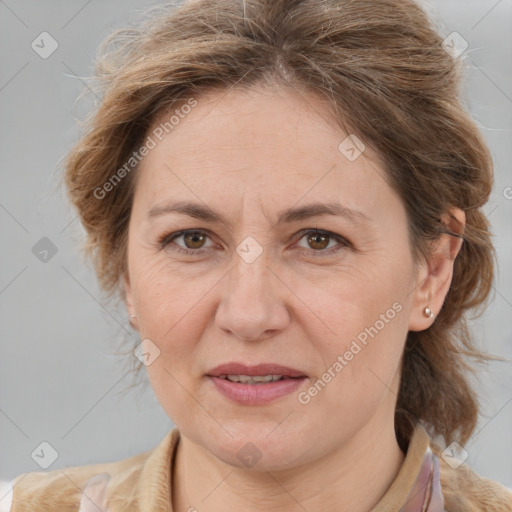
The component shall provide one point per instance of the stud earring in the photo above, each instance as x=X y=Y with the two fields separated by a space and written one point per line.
x=428 y=312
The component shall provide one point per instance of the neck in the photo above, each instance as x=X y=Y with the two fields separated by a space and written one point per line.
x=340 y=481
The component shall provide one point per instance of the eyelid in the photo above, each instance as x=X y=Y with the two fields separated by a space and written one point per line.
x=343 y=242
x=168 y=238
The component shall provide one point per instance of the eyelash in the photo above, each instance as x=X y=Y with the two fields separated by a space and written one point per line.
x=164 y=240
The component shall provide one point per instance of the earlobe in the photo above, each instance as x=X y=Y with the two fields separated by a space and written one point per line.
x=428 y=313
x=435 y=276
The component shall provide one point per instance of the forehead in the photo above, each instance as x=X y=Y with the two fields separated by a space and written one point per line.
x=284 y=121
x=262 y=145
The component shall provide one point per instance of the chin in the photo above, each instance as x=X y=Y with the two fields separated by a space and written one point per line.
x=256 y=450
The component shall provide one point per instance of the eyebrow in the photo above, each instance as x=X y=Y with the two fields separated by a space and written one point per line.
x=205 y=213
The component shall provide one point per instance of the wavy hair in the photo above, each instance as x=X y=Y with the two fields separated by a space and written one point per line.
x=382 y=67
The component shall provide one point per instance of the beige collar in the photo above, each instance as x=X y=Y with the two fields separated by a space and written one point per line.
x=155 y=492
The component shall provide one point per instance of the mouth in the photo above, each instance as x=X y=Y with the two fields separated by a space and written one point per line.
x=255 y=385
x=256 y=392
x=264 y=372
x=256 y=379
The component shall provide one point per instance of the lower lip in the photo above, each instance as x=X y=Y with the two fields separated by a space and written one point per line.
x=255 y=394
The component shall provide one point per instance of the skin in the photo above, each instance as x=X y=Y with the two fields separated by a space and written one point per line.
x=248 y=155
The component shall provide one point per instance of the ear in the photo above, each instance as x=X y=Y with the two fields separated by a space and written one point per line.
x=128 y=300
x=435 y=274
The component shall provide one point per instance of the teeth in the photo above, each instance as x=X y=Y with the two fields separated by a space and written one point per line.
x=256 y=379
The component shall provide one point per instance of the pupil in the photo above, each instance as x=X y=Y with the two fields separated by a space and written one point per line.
x=315 y=239
x=195 y=238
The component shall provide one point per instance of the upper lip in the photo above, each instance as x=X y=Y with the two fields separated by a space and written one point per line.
x=234 y=368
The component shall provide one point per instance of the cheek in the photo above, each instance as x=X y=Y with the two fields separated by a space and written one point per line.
x=171 y=307
x=363 y=330
x=360 y=371
x=161 y=295
x=172 y=313
x=363 y=304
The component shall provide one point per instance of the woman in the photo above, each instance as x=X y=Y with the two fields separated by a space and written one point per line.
x=288 y=198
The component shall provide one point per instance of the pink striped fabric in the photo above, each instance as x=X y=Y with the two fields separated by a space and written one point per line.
x=425 y=494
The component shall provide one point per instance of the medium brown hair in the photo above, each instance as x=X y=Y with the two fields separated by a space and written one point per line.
x=382 y=67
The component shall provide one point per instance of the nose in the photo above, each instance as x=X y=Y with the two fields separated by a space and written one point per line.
x=253 y=302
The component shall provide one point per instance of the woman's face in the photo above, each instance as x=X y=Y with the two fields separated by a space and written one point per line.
x=261 y=286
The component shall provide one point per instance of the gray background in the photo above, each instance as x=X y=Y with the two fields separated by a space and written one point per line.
x=60 y=379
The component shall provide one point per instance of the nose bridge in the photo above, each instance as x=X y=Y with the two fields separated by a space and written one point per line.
x=250 y=277
x=251 y=304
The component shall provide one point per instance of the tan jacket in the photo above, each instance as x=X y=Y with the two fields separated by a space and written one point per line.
x=142 y=483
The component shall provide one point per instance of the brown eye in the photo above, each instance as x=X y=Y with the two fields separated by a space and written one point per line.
x=191 y=242
x=318 y=241
x=194 y=239
x=322 y=243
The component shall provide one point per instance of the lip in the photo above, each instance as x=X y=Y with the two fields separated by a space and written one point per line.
x=256 y=394
x=234 y=368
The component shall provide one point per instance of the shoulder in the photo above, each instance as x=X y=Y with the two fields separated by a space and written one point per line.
x=118 y=484
x=63 y=488
x=466 y=491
